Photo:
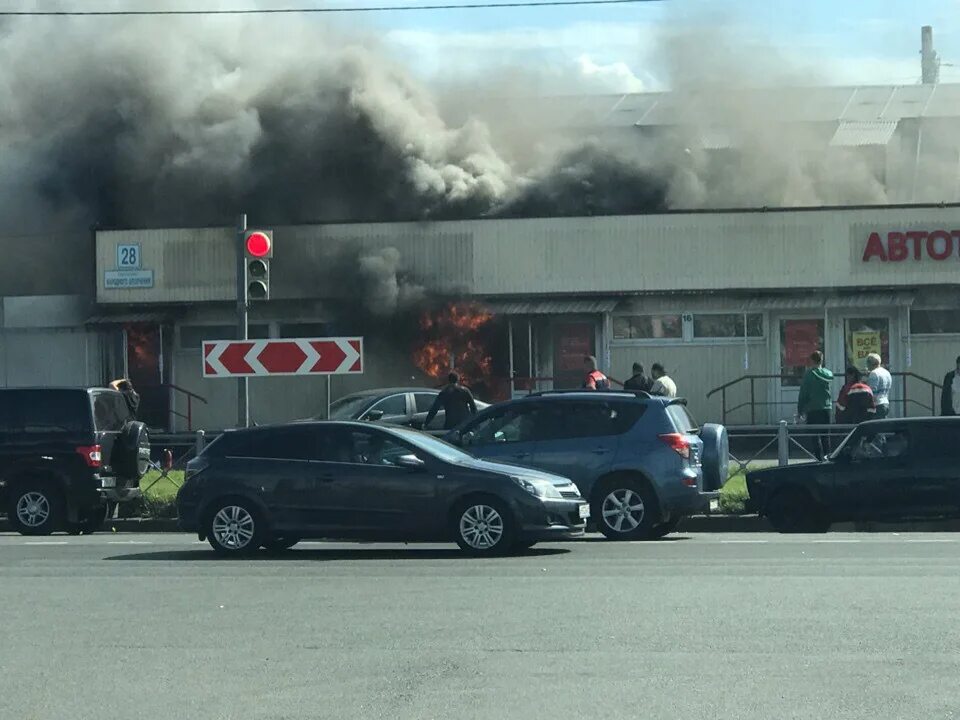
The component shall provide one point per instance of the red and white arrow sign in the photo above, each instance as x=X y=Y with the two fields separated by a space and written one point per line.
x=302 y=356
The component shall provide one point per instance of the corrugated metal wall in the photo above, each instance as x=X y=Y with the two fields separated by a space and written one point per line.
x=700 y=251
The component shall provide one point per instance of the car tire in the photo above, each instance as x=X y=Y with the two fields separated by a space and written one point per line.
x=626 y=509
x=35 y=508
x=484 y=525
x=130 y=455
x=661 y=531
x=234 y=527
x=715 y=460
x=793 y=510
x=280 y=543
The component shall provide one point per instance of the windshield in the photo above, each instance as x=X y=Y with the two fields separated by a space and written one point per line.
x=435 y=446
x=350 y=407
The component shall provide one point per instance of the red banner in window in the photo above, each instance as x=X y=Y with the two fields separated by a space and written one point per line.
x=801 y=338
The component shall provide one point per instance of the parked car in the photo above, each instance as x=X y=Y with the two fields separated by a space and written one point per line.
x=271 y=486
x=887 y=470
x=641 y=461
x=395 y=406
x=65 y=453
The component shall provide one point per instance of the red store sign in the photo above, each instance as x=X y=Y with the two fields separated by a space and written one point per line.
x=914 y=245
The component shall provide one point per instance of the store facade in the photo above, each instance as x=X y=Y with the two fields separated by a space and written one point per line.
x=717 y=297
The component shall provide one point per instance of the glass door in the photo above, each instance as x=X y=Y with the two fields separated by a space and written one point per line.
x=797 y=338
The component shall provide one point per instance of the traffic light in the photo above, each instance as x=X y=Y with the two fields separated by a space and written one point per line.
x=258 y=249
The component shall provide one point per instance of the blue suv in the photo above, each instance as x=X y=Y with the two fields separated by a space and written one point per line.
x=641 y=461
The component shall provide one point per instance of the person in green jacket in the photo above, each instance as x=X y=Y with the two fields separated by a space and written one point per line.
x=816 y=398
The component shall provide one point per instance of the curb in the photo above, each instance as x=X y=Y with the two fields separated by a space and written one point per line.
x=127 y=525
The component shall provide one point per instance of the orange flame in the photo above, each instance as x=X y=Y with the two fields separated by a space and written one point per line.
x=452 y=340
x=138 y=343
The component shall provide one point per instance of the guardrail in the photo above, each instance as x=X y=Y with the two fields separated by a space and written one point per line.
x=191 y=396
x=904 y=400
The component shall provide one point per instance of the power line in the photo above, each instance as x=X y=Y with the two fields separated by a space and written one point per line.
x=290 y=11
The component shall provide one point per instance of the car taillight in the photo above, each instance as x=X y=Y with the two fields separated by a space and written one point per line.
x=91 y=455
x=678 y=443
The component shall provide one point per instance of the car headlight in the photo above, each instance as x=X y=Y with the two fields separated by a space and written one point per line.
x=536 y=486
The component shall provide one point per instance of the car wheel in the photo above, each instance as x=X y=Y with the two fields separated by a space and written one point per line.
x=280 y=543
x=35 y=509
x=234 y=527
x=663 y=530
x=626 y=510
x=484 y=526
x=795 y=511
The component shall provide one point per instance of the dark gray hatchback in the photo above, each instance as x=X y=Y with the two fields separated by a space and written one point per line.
x=272 y=486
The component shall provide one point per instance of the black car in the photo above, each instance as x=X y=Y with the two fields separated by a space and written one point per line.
x=395 y=406
x=65 y=453
x=641 y=461
x=885 y=470
x=272 y=486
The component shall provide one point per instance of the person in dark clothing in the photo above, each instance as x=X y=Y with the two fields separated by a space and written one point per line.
x=855 y=403
x=131 y=396
x=950 y=394
x=594 y=380
x=456 y=401
x=639 y=379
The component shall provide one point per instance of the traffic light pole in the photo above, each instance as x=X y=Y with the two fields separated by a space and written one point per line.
x=243 y=384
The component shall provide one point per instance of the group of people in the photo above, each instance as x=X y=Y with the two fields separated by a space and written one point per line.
x=658 y=383
x=861 y=397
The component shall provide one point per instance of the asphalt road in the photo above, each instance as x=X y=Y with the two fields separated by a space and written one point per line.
x=702 y=627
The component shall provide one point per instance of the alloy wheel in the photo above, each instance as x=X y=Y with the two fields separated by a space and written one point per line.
x=33 y=509
x=481 y=527
x=623 y=510
x=233 y=527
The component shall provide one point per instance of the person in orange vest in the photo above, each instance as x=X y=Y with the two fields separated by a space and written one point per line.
x=595 y=380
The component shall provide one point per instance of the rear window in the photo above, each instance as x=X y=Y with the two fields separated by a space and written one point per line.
x=281 y=443
x=682 y=419
x=38 y=411
x=110 y=411
x=588 y=419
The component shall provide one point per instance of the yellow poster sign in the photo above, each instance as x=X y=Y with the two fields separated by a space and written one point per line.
x=863 y=343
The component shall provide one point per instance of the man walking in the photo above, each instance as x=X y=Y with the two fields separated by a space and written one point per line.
x=880 y=382
x=815 y=399
x=950 y=395
x=663 y=385
x=594 y=380
x=456 y=401
x=639 y=379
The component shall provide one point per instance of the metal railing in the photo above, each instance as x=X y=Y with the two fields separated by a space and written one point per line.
x=191 y=396
x=905 y=401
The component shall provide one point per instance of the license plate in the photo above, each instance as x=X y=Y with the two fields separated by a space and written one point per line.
x=584 y=511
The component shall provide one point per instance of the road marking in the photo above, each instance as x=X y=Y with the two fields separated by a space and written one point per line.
x=46 y=542
x=836 y=541
x=129 y=542
x=931 y=540
x=753 y=542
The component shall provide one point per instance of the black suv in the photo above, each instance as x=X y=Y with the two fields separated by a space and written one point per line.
x=641 y=461
x=65 y=454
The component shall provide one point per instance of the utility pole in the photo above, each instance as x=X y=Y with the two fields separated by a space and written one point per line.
x=243 y=384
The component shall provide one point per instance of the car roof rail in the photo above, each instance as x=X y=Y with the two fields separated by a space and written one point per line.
x=633 y=393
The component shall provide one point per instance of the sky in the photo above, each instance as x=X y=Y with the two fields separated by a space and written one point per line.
x=616 y=47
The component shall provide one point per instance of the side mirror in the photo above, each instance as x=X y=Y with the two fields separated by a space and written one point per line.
x=411 y=462
x=374 y=415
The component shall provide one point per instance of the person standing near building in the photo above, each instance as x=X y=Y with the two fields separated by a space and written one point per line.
x=639 y=379
x=594 y=380
x=130 y=396
x=880 y=382
x=457 y=403
x=855 y=403
x=950 y=394
x=815 y=400
x=663 y=385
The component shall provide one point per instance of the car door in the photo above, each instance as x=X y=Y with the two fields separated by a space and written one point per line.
x=881 y=465
x=580 y=439
x=506 y=434
x=365 y=491
x=395 y=408
x=935 y=466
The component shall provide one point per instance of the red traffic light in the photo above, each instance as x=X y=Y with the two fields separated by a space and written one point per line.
x=258 y=244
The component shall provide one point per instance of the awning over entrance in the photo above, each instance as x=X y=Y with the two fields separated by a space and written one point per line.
x=550 y=307
x=813 y=300
x=128 y=318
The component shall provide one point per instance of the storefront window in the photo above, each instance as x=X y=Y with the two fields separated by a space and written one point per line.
x=727 y=325
x=934 y=322
x=863 y=336
x=647 y=327
x=798 y=339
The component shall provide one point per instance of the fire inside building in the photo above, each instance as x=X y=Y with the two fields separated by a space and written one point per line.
x=732 y=303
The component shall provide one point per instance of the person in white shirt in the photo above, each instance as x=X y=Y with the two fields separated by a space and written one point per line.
x=880 y=382
x=662 y=384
